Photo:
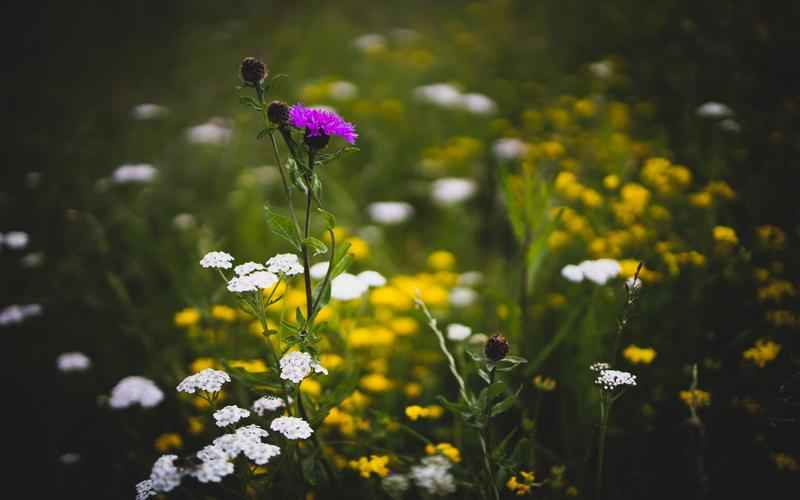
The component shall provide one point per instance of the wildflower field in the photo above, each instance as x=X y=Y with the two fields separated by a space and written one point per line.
x=322 y=250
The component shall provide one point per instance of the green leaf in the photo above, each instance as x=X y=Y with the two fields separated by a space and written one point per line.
x=249 y=101
x=298 y=314
x=281 y=226
x=505 y=404
x=500 y=450
x=495 y=389
x=316 y=246
x=484 y=375
x=263 y=132
x=330 y=219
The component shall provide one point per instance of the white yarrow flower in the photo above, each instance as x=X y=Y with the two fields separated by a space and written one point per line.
x=439 y=94
x=458 y=332
x=148 y=111
x=73 y=362
x=573 y=273
x=142 y=172
x=478 y=104
x=342 y=90
x=370 y=42
x=135 y=390
x=462 y=296
x=287 y=264
x=15 y=240
x=165 y=476
x=267 y=403
x=219 y=260
x=296 y=366
x=208 y=380
x=252 y=282
x=611 y=379
x=144 y=490
x=433 y=476
x=390 y=212
x=215 y=131
x=292 y=427
x=395 y=485
x=319 y=270
x=372 y=278
x=452 y=190
x=600 y=271
x=509 y=148
x=230 y=415
x=347 y=286
x=713 y=109
x=247 y=268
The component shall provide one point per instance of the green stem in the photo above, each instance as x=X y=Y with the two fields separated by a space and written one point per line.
x=306 y=263
x=485 y=435
x=605 y=410
x=286 y=188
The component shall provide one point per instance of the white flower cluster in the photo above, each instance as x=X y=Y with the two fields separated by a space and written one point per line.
x=348 y=286
x=462 y=296
x=292 y=427
x=135 y=390
x=144 y=490
x=165 y=476
x=267 y=403
x=252 y=282
x=284 y=263
x=390 y=212
x=319 y=270
x=73 y=362
x=713 y=109
x=148 y=111
x=373 y=279
x=342 y=90
x=448 y=96
x=219 y=260
x=17 y=314
x=509 y=149
x=208 y=380
x=395 y=485
x=433 y=476
x=214 y=131
x=247 y=268
x=458 y=332
x=452 y=190
x=598 y=271
x=599 y=367
x=15 y=240
x=214 y=465
x=230 y=415
x=296 y=366
x=141 y=172
x=470 y=278
x=370 y=42
x=611 y=379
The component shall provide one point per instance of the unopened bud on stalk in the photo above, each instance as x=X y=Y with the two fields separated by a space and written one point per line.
x=278 y=112
x=253 y=71
x=317 y=142
x=496 y=348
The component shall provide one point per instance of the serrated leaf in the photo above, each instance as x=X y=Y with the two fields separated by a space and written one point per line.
x=316 y=246
x=281 y=226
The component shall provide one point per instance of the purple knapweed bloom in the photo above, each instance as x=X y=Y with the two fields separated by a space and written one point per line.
x=319 y=122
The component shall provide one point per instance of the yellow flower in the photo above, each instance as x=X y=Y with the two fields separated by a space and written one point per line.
x=545 y=384
x=783 y=317
x=435 y=296
x=391 y=297
x=695 y=398
x=521 y=488
x=311 y=387
x=725 y=235
x=325 y=314
x=785 y=462
x=358 y=248
x=223 y=313
x=251 y=365
x=636 y=355
x=167 y=442
x=618 y=115
x=762 y=352
x=375 y=336
x=376 y=382
x=413 y=390
x=404 y=325
x=196 y=425
x=557 y=239
x=331 y=361
x=611 y=182
x=201 y=364
x=375 y=464
x=187 y=317
x=721 y=189
x=415 y=412
x=441 y=260
x=355 y=402
x=448 y=450
x=701 y=199
x=591 y=198
x=584 y=107
x=771 y=236
x=552 y=149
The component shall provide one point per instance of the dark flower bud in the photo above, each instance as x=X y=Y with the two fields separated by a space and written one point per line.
x=496 y=348
x=278 y=112
x=253 y=71
x=317 y=142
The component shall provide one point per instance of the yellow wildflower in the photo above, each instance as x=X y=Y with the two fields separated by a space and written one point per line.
x=187 y=317
x=448 y=450
x=355 y=402
x=404 y=325
x=223 y=313
x=721 y=189
x=413 y=390
x=201 y=364
x=521 y=488
x=695 y=398
x=591 y=198
x=783 y=317
x=391 y=297
x=584 y=107
x=636 y=355
x=545 y=384
x=359 y=249
x=375 y=464
x=311 y=387
x=376 y=382
x=557 y=239
x=196 y=425
x=725 y=235
x=441 y=260
x=776 y=290
x=611 y=182
x=249 y=365
x=167 y=442
x=701 y=199
x=552 y=149
x=762 y=352
x=771 y=236
x=331 y=361
x=415 y=412
x=785 y=462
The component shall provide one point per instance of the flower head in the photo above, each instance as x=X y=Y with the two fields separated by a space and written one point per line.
x=319 y=123
x=287 y=264
x=292 y=427
x=252 y=71
x=208 y=380
x=220 y=260
x=135 y=390
x=230 y=415
x=267 y=403
x=296 y=366
x=611 y=379
x=496 y=347
x=73 y=362
x=165 y=476
x=457 y=331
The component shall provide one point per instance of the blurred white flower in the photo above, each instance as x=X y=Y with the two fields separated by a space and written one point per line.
x=214 y=131
x=184 y=221
x=214 y=465
x=390 y=212
x=292 y=427
x=144 y=490
x=17 y=314
x=372 y=278
x=470 y=278
x=342 y=90
x=141 y=172
x=509 y=148
x=32 y=179
x=148 y=111
x=433 y=476
x=219 y=260
x=601 y=69
x=319 y=270
x=573 y=273
x=600 y=271
x=69 y=458
x=395 y=485
x=347 y=286
x=370 y=42
x=296 y=366
x=73 y=362
x=461 y=296
x=287 y=264
x=267 y=403
x=478 y=104
x=453 y=190
x=229 y=415
x=730 y=125
x=135 y=390
x=439 y=94
x=633 y=284
x=479 y=339
x=208 y=380
x=457 y=332
x=32 y=260
x=16 y=240
x=713 y=109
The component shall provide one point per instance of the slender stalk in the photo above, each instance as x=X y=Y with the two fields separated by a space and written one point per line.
x=485 y=435
x=605 y=411
x=283 y=180
x=306 y=263
x=451 y=362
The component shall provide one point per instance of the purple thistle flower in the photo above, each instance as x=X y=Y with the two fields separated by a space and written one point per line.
x=318 y=122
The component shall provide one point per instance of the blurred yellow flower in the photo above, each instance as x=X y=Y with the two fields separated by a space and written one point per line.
x=355 y=401
x=196 y=425
x=187 y=317
x=359 y=249
x=545 y=384
x=584 y=107
x=611 y=182
x=441 y=260
x=448 y=450
x=636 y=355
x=404 y=325
x=695 y=398
x=376 y=382
x=558 y=239
x=785 y=462
x=251 y=365
x=331 y=361
x=375 y=464
x=725 y=235
x=391 y=297
x=701 y=200
x=201 y=364
x=374 y=336
x=311 y=387
x=415 y=412
x=167 y=442
x=721 y=189
x=771 y=236
x=223 y=313
x=591 y=198
x=762 y=352
x=412 y=390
